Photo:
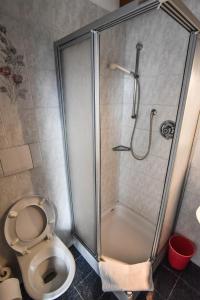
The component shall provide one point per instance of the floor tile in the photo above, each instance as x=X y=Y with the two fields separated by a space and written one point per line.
x=192 y=276
x=166 y=264
x=67 y=293
x=90 y=288
x=164 y=281
x=108 y=296
x=82 y=270
x=183 y=291
x=71 y=294
x=75 y=252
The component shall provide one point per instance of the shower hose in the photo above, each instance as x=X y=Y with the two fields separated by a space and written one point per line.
x=136 y=104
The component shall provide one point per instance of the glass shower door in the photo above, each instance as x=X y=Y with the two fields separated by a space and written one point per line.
x=131 y=187
x=78 y=115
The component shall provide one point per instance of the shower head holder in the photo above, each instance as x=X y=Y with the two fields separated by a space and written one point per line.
x=139 y=46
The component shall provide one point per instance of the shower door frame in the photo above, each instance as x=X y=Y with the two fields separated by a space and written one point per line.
x=93 y=37
x=92 y=30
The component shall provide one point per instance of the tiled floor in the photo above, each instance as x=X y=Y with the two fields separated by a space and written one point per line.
x=175 y=285
x=169 y=284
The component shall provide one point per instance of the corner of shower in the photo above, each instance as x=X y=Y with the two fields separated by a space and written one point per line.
x=123 y=129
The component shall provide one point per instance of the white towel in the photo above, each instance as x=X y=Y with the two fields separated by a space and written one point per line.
x=118 y=276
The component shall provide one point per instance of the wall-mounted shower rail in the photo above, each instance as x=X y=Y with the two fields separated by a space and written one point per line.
x=139 y=47
x=136 y=76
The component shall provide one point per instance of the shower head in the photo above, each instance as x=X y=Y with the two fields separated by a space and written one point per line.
x=118 y=67
x=139 y=46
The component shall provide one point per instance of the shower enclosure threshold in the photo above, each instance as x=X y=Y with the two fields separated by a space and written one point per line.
x=126 y=236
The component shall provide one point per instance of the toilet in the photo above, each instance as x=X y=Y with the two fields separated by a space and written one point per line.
x=46 y=264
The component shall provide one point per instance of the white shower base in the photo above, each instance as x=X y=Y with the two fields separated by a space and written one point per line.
x=126 y=236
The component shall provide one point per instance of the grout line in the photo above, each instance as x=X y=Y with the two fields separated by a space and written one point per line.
x=172 y=271
x=173 y=288
x=75 y=287
x=79 y=293
x=77 y=257
x=81 y=281
x=190 y=286
x=88 y=275
x=159 y=294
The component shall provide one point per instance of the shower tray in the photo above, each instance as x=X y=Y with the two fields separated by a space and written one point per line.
x=126 y=236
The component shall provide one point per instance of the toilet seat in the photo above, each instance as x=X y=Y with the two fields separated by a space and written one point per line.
x=29 y=221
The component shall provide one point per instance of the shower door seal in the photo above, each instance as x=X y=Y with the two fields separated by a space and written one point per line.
x=94 y=47
x=96 y=96
x=129 y=11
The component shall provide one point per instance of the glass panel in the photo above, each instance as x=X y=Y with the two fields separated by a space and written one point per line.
x=131 y=188
x=77 y=88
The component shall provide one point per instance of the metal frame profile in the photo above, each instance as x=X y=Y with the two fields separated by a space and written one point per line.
x=179 y=118
x=181 y=13
x=58 y=50
x=177 y=10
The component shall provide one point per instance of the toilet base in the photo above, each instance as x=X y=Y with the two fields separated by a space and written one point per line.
x=48 y=270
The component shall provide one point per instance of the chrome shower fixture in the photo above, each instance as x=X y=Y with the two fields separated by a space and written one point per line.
x=118 y=67
x=139 y=47
x=135 y=74
x=135 y=107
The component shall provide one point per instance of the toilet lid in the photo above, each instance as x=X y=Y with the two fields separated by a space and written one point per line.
x=29 y=221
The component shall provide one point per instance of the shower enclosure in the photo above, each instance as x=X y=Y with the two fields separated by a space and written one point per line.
x=128 y=89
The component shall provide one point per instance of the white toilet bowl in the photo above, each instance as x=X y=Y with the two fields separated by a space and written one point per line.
x=46 y=264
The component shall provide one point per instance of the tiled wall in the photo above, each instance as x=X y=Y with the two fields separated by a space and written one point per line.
x=107 y=4
x=187 y=222
x=139 y=184
x=111 y=99
x=161 y=71
x=33 y=25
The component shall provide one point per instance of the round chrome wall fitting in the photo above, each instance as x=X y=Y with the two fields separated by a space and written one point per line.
x=167 y=129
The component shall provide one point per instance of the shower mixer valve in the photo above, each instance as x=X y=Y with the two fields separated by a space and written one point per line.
x=167 y=129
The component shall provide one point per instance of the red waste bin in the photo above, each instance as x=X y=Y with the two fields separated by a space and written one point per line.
x=180 y=251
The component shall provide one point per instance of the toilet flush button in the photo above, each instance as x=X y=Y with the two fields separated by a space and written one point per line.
x=13 y=214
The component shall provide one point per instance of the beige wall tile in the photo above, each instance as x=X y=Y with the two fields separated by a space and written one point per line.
x=36 y=154
x=37 y=118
